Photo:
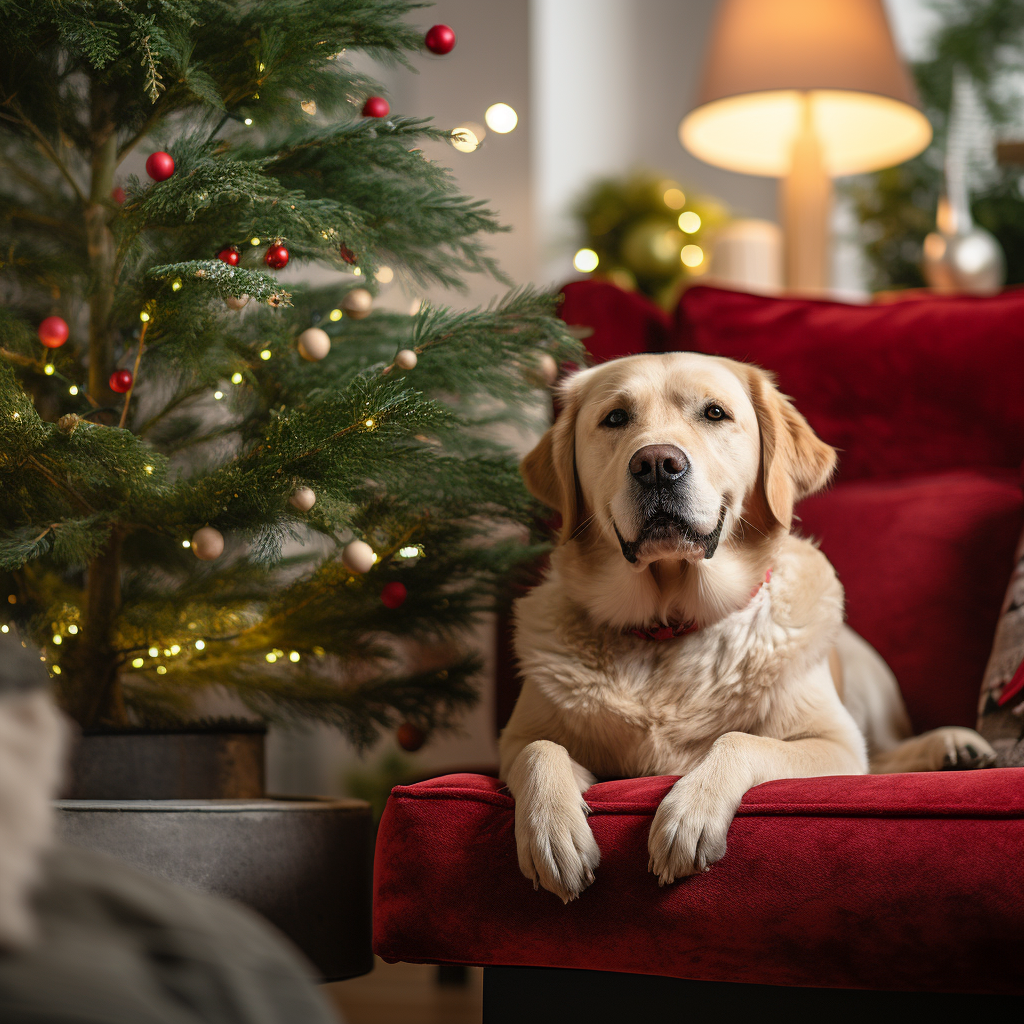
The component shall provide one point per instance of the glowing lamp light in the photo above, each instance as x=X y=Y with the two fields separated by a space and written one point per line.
x=501 y=118
x=804 y=91
x=674 y=198
x=467 y=137
x=585 y=261
x=692 y=255
x=689 y=222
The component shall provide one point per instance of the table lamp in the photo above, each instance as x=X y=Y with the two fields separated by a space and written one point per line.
x=805 y=91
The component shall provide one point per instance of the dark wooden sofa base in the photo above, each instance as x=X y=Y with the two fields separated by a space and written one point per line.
x=542 y=995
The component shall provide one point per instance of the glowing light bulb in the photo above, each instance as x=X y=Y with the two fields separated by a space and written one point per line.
x=200 y=645
x=409 y=551
x=5 y=629
x=73 y=390
x=148 y=469
x=271 y=657
x=153 y=652
x=369 y=423
x=218 y=395
x=186 y=543
x=357 y=271
x=48 y=369
x=335 y=315
x=294 y=656
x=176 y=285
x=265 y=354
x=585 y=261
x=692 y=255
x=689 y=222
x=56 y=670
x=58 y=639
x=467 y=137
x=144 y=317
x=248 y=120
x=385 y=275
x=137 y=662
x=501 y=118
x=175 y=648
x=161 y=670
x=254 y=241
x=674 y=198
x=72 y=629
x=236 y=378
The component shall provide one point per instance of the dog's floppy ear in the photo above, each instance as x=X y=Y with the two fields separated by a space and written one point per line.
x=549 y=470
x=795 y=462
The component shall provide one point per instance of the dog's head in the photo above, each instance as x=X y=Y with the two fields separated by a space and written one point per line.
x=669 y=456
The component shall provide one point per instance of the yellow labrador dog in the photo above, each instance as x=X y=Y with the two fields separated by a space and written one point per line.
x=682 y=629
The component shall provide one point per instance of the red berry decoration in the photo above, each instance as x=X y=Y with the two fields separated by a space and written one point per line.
x=160 y=165
x=376 y=106
x=410 y=737
x=118 y=194
x=121 y=381
x=346 y=253
x=53 y=331
x=440 y=39
x=393 y=595
x=276 y=256
x=229 y=255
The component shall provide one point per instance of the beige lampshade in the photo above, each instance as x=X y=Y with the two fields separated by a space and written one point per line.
x=771 y=63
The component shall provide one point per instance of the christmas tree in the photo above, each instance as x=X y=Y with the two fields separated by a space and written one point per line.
x=983 y=39
x=208 y=479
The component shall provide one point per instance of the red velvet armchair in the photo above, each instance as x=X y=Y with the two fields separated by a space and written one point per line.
x=893 y=884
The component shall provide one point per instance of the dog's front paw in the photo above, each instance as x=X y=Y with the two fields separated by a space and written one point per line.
x=954 y=747
x=557 y=850
x=688 y=832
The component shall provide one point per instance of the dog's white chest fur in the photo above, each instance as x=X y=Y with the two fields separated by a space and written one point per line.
x=626 y=706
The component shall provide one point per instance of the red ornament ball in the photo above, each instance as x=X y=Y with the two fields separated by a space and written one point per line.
x=121 y=381
x=229 y=254
x=376 y=106
x=160 y=165
x=276 y=256
x=410 y=737
x=346 y=253
x=118 y=194
x=53 y=331
x=393 y=595
x=440 y=39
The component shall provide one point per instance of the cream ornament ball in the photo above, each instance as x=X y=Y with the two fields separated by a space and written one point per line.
x=314 y=343
x=207 y=543
x=406 y=359
x=358 y=556
x=357 y=303
x=236 y=301
x=303 y=499
x=547 y=367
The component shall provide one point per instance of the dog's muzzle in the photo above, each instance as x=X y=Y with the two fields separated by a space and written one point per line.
x=666 y=527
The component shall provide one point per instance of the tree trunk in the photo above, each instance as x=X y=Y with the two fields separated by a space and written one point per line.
x=96 y=691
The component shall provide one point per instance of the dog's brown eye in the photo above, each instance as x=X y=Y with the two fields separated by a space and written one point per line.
x=616 y=418
x=714 y=412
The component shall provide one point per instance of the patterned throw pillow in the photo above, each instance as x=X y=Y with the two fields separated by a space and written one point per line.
x=1001 y=707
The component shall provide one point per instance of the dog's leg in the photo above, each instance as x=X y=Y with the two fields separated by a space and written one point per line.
x=689 y=829
x=556 y=848
x=948 y=747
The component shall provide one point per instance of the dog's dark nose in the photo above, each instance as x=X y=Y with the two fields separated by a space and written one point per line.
x=658 y=465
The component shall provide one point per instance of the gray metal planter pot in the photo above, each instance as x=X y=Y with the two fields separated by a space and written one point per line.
x=305 y=864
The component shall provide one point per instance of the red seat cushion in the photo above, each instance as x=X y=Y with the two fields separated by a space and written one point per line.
x=885 y=882
x=908 y=387
x=924 y=562
x=623 y=323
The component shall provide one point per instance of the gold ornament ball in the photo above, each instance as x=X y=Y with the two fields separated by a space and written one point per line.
x=303 y=499
x=207 y=543
x=357 y=303
x=236 y=301
x=357 y=556
x=406 y=359
x=314 y=344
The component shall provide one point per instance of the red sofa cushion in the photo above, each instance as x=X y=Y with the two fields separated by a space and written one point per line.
x=907 y=387
x=924 y=562
x=623 y=323
x=878 y=882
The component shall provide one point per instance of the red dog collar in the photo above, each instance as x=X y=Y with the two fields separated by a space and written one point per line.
x=682 y=628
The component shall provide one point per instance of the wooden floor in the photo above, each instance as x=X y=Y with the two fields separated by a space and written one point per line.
x=407 y=994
